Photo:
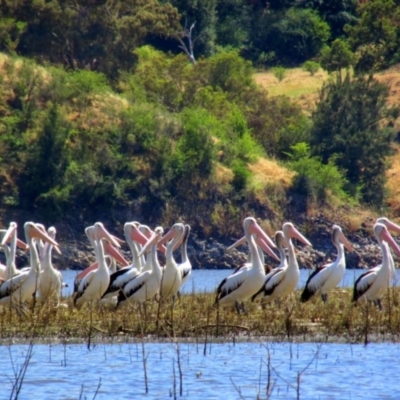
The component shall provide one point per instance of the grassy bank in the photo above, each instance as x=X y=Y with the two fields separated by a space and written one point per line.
x=194 y=317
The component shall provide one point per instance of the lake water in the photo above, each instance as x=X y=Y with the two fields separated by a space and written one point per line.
x=227 y=370
x=207 y=280
x=233 y=370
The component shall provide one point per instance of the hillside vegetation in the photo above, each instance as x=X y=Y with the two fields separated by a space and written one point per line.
x=152 y=110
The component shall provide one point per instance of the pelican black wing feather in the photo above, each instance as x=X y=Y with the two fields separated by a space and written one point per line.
x=113 y=277
x=358 y=293
x=223 y=292
x=308 y=292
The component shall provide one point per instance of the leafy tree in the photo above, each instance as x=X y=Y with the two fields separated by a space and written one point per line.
x=311 y=66
x=337 y=13
x=47 y=161
x=234 y=23
x=337 y=57
x=376 y=36
x=314 y=179
x=288 y=36
x=347 y=125
x=100 y=35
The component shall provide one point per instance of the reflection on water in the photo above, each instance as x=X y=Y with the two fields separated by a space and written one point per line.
x=207 y=280
x=234 y=371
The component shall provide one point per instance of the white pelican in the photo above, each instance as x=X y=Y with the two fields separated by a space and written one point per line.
x=391 y=227
x=242 y=284
x=327 y=277
x=171 y=280
x=121 y=277
x=372 y=284
x=10 y=269
x=146 y=285
x=50 y=279
x=109 y=249
x=185 y=266
x=22 y=288
x=95 y=283
x=283 y=281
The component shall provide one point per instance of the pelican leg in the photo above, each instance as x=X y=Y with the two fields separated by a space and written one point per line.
x=237 y=307
x=379 y=304
x=278 y=302
x=324 y=297
x=243 y=308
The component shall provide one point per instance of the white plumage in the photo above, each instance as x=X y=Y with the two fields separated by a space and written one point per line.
x=327 y=277
x=372 y=284
x=243 y=283
x=282 y=281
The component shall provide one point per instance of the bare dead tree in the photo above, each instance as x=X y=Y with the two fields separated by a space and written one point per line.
x=188 y=35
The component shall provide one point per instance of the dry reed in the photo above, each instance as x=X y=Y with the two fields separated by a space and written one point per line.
x=195 y=317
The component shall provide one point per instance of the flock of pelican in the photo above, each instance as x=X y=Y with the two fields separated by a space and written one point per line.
x=280 y=282
x=144 y=278
x=103 y=282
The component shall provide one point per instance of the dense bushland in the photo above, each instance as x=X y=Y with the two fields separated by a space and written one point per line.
x=94 y=118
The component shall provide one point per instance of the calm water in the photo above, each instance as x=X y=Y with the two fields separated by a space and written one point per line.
x=231 y=371
x=207 y=280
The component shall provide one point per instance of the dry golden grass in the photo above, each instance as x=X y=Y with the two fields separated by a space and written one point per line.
x=194 y=316
x=268 y=171
x=223 y=175
x=299 y=85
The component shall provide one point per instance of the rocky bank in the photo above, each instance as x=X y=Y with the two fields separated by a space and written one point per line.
x=211 y=253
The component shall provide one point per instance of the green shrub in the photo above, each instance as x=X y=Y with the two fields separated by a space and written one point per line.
x=279 y=73
x=311 y=66
x=314 y=179
x=241 y=176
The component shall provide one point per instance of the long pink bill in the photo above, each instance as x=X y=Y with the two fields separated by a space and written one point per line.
x=294 y=233
x=118 y=240
x=345 y=242
x=7 y=237
x=256 y=229
x=237 y=243
x=113 y=252
x=155 y=238
x=102 y=233
x=138 y=236
x=261 y=243
x=82 y=274
x=148 y=233
x=385 y=235
x=392 y=226
x=22 y=245
x=34 y=231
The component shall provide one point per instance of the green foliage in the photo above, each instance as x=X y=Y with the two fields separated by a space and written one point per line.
x=234 y=23
x=311 y=66
x=11 y=31
x=241 y=176
x=376 y=37
x=47 y=160
x=296 y=36
x=99 y=36
x=276 y=123
x=347 y=125
x=314 y=179
x=279 y=73
x=337 y=13
x=338 y=56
